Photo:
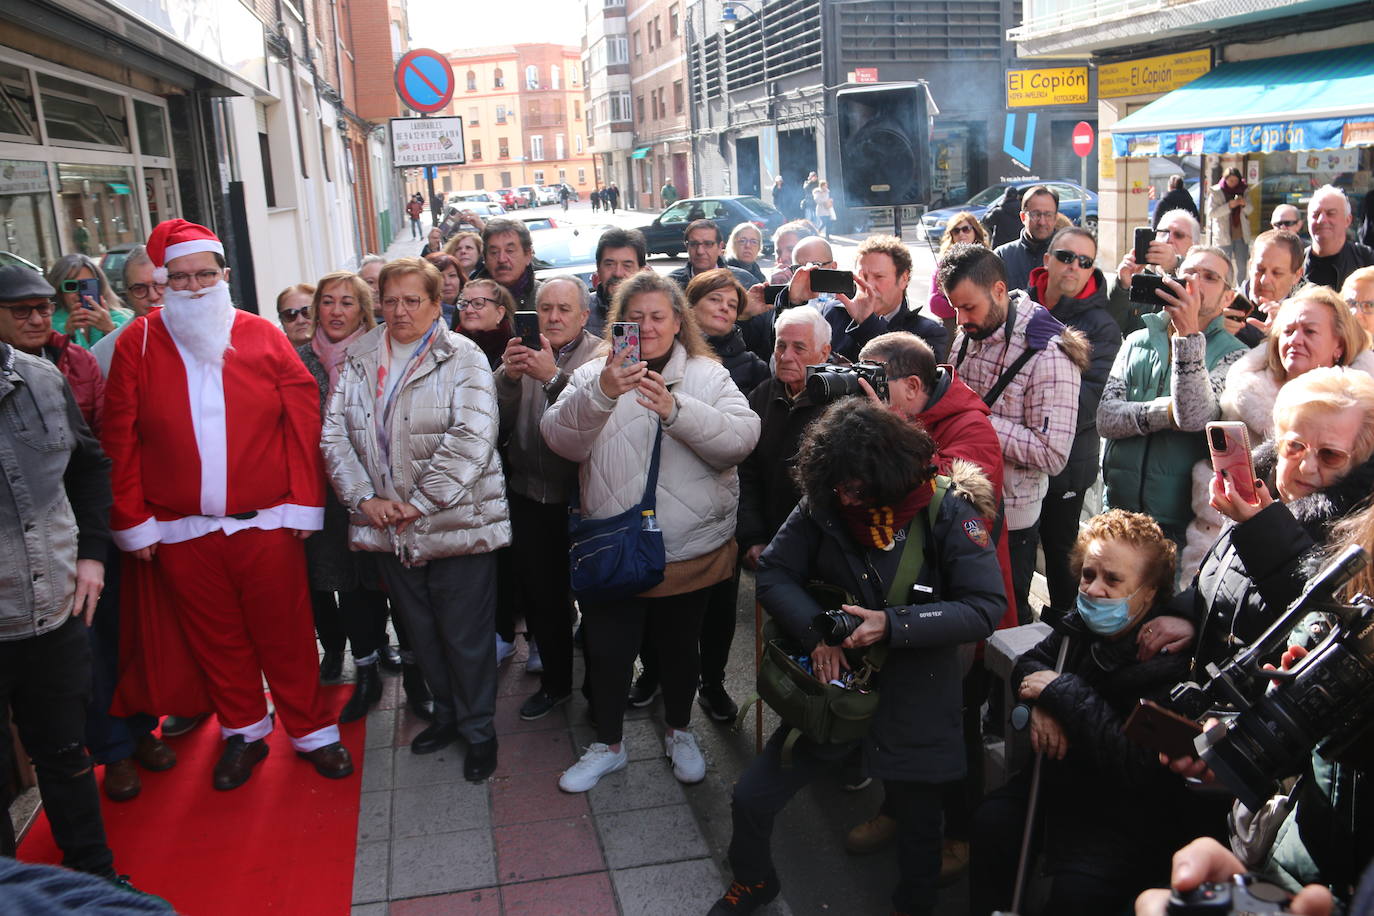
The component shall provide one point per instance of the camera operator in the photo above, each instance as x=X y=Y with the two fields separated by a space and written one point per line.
x=857 y=503
x=1175 y=233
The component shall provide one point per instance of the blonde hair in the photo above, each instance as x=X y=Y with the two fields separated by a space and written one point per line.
x=980 y=235
x=361 y=292
x=1331 y=389
x=299 y=289
x=647 y=282
x=500 y=294
x=401 y=267
x=1354 y=529
x=1352 y=336
x=1352 y=282
x=742 y=229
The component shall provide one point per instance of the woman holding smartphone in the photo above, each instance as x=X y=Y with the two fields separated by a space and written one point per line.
x=607 y=420
x=83 y=317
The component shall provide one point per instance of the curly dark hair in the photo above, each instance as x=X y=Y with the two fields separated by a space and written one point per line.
x=857 y=441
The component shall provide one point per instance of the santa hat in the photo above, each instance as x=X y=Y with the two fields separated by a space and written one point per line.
x=176 y=238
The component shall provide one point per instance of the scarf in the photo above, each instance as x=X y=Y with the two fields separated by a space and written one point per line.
x=878 y=527
x=492 y=343
x=385 y=402
x=331 y=353
x=1231 y=194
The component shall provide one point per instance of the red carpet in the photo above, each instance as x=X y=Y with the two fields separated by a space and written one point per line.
x=282 y=843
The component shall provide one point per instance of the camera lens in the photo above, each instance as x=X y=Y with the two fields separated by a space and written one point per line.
x=835 y=626
x=824 y=387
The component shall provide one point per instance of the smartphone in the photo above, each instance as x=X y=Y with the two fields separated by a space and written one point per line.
x=1162 y=730
x=1145 y=289
x=527 y=329
x=84 y=288
x=1229 y=443
x=625 y=343
x=772 y=291
x=833 y=281
x=1144 y=235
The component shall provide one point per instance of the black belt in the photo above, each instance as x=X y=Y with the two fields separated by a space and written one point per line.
x=244 y=516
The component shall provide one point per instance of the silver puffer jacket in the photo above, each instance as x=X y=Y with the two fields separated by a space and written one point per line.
x=443 y=449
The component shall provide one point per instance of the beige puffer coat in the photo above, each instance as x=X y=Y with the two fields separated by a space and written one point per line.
x=611 y=440
x=443 y=449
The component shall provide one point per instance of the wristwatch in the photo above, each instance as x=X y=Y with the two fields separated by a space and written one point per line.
x=553 y=380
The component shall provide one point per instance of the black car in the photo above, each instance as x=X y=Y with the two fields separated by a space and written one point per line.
x=665 y=234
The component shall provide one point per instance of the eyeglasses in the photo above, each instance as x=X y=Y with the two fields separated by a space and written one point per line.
x=1064 y=256
x=143 y=290
x=410 y=303
x=289 y=315
x=1328 y=456
x=1284 y=223
x=181 y=281
x=1201 y=273
x=22 y=312
x=702 y=244
x=1042 y=215
x=962 y=228
x=748 y=242
x=476 y=303
x=1361 y=305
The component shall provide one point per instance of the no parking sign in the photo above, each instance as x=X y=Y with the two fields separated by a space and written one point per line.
x=424 y=80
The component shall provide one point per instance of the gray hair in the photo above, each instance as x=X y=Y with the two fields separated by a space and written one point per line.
x=371 y=259
x=741 y=229
x=1193 y=225
x=137 y=258
x=1325 y=190
x=820 y=328
x=583 y=296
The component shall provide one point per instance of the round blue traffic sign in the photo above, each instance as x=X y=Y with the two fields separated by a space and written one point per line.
x=424 y=80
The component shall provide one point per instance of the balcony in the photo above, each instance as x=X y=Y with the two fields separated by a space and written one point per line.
x=545 y=120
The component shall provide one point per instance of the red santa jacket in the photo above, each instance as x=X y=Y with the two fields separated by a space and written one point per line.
x=958 y=422
x=183 y=468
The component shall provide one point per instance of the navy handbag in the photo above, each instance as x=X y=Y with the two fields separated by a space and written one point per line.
x=622 y=556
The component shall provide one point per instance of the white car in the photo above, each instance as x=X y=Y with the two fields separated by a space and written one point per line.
x=547 y=194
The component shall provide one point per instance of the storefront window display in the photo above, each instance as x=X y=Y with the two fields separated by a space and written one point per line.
x=98 y=207
x=26 y=219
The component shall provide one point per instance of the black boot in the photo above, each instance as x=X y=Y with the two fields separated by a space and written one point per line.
x=417 y=692
x=367 y=692
x=331 y=665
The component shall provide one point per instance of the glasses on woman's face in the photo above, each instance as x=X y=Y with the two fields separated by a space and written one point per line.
x=289 y=315
x=746 y=242
x=476 y=303
x=24 y=312
x=961 y=229
x=1328 y=456
x=409 y=303
x=1361 y=306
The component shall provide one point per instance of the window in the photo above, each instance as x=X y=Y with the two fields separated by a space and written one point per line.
x=531 y=77
x=324 y=153
x=560 y=147
x=536 y=148
x=539 y=176
x=620 y=106
x=616 y=50
x=503 y=151
x=152 y=129
x=472 y=81
x=505 y=180
x=476 y=150
x=577 y=110
x=636 y=43
x=677 y=97
x=609 y=4
x=639 y=106
x=581 y=175
x=78 y=115
x=269 y=188
x=577 y=143
x=500 y=114
x=674 y=21
x=572 y=74
x=472 y=116
x=479 y=182
x=555 y=77
x=655 y=35
x=498 y=79
x=18 y=116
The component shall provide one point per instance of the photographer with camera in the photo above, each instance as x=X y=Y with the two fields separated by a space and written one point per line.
x=912 y=606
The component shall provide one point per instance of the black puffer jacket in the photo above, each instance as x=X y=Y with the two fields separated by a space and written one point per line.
x=917 y=733
x=1257 y=568
x=1109 y=808
x=745 y=368
x=767 y=493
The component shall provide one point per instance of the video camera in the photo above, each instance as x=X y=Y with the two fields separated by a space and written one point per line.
x=1325 y=702
x=827 y=383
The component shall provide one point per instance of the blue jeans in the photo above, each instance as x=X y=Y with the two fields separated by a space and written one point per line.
x=109 y=738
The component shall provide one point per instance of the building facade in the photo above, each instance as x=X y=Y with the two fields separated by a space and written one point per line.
x=662 y=118
x=609 y=94
x=1281 y=89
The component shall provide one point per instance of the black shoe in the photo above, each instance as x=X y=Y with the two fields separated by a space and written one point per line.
x=176 y=726
x=745 y=898
x=480 y=761
x=541 y=704
x=367 y=692
x=389 y=657
x=417 y=692
x=434 y=738
x=237 y=761
x=331 y=666
x=643 y=691
x=717 y=703
x=124 y=884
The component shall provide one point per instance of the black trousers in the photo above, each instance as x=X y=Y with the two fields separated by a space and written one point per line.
x=1059 y=515
x=506 y=593
x=1021 y=544
x=45 y=682
x=357 y=617
x=539 y=548
x=110 y=738
x=767 y=786
x=668 y=629
x=717 y=633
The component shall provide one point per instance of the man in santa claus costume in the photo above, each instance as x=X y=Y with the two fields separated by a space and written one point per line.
x=213 y=427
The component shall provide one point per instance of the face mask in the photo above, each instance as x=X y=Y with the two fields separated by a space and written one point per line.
x=1105 y=616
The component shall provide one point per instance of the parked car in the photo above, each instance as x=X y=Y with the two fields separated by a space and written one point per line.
x=454 y=222
x=547 y=194
x=563 y=250
x=112 y=263
x=10 y=259
x=572 y=192
x=512 y=200
x=664 y=234
x=1071 y=201
x=530 y=193
x=540 y=222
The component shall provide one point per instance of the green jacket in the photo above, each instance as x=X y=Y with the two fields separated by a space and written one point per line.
x=1152 y=472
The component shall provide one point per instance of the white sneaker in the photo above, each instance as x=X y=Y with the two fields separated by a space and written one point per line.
x=504 y=650
x=595 y=763
x=534 y=664
x=688 y=764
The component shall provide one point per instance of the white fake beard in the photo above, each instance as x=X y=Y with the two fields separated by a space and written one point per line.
x=200 y=320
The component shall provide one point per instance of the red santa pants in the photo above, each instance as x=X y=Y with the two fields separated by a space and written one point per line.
x=244 y=606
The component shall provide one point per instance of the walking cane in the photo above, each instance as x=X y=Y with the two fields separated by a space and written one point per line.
x=1024 y=864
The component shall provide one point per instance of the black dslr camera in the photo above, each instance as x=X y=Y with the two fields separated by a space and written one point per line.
x=1243 y=894
x=827 y=383
x=1326 y=702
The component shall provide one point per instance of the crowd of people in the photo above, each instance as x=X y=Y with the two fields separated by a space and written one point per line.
x=196 y=494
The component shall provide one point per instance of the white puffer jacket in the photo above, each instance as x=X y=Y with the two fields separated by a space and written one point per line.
x=611 y=440
x=443 y=449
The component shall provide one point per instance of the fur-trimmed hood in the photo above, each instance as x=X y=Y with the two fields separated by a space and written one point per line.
x=1251 y=390
x=1076 y=347
x=969 y=481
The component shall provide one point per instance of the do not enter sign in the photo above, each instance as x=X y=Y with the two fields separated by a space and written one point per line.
x=424 y=80
x=1082 y=138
